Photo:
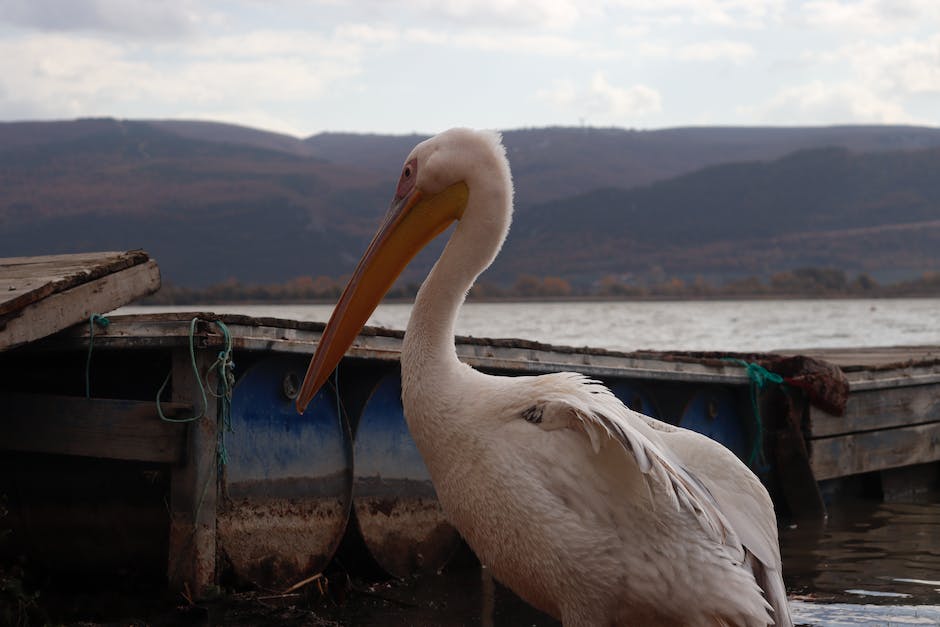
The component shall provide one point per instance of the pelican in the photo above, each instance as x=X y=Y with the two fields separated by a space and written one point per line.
x=591 y=512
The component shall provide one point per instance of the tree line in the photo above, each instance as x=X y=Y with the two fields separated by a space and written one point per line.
x=809 y=282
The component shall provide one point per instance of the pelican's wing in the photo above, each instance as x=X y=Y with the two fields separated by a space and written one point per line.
x=743 y=501
x=570 y=400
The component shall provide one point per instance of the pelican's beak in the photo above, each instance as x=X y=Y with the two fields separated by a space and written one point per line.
x=412 y=221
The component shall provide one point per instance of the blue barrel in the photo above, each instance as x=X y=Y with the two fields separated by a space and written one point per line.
x=714 y=412
x=635 y=397
x=288 y=480
x=401 y=521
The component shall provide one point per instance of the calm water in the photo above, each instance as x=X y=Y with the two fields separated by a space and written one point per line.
x=711 y=325
x=870 y=564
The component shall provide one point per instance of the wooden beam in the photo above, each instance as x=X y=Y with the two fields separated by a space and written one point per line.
x=792 y=464
x=78 y=303
x=96 y=427
x=194 y=484
x=879 y=409
x=857 y=453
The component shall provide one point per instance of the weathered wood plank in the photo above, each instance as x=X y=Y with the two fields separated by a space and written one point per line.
x=879 y=409
x=25 y=280
x=856 y=453
x=194 y=485
x=71 y=306
x=96 y=427
x=879 y=357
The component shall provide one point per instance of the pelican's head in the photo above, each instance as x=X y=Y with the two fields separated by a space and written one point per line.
x=433 y=191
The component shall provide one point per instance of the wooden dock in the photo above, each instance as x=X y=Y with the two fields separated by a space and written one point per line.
x=238 y=482
x=42 y=295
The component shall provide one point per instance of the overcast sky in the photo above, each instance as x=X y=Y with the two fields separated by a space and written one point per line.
x=399 y=66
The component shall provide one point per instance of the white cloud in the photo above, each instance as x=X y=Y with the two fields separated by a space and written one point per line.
x=551 y=14
x=910 y=66
x=728 y=13
x=601 y=102
x=521 y=43
x=873 y=17
x=65 y=75
x=140 y=18
x=714 y=50
x=817 y=102
x=734 y=51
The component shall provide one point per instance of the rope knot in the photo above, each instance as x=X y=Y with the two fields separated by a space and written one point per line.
x=759 y=377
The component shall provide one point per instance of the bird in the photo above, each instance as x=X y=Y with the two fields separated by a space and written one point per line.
x=588 y=510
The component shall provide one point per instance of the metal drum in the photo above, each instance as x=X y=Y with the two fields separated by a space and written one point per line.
x=635 y=397
x=288 y=479
x=402 y=523
x=714 y=412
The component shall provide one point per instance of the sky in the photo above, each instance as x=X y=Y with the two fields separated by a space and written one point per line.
x=401 y=66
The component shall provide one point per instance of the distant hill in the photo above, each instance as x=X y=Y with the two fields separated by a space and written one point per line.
x=551 y=163
x=877 y=213
x=216 y=201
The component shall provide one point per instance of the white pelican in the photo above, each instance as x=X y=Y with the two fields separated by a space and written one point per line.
x=589 y=511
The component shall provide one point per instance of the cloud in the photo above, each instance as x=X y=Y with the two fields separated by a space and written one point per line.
x=728 y=13
x=68 y=75
x=500 y=14
x=911 y=66
x=734 y=51
x=869 y=16
x=602 y=102
x=715 y=50
x=140 y=18
x=817 y=102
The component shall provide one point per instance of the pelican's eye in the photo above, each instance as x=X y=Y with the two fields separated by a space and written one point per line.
x=407 y=181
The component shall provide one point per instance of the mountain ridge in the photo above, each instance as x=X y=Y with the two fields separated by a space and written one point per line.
x=214 y=201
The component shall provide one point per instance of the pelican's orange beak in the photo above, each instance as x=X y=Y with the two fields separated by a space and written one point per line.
x=412 y=221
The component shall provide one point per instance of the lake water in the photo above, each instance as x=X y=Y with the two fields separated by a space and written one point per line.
x=870 y=564
x=656 y=325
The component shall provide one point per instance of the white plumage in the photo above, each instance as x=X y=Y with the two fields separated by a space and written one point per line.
x=590 y=511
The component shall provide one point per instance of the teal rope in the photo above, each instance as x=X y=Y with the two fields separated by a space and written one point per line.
x=225 y=371
x=225 y=367
x=760 y=377
x=202 y=390
x=92 y=321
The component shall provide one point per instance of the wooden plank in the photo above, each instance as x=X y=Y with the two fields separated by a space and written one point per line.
x=78 y=303
x=97 y=427
x=194 y=485
x=785 y=409
x=856 y=453
x=148 y=331
x=870 y=410
x=26 y=280
x=874 y=357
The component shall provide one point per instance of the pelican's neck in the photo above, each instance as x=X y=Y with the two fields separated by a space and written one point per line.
x=428 y=349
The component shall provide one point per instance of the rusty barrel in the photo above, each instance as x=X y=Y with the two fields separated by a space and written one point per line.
x=399 y=517
x=288 y=477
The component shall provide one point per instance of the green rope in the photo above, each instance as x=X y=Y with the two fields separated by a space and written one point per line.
x=224 y=367
x=759 y=377
x=94 y=319
x=198 y=377
x=225 y=382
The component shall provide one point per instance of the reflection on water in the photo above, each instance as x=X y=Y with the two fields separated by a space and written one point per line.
x=870 y=564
